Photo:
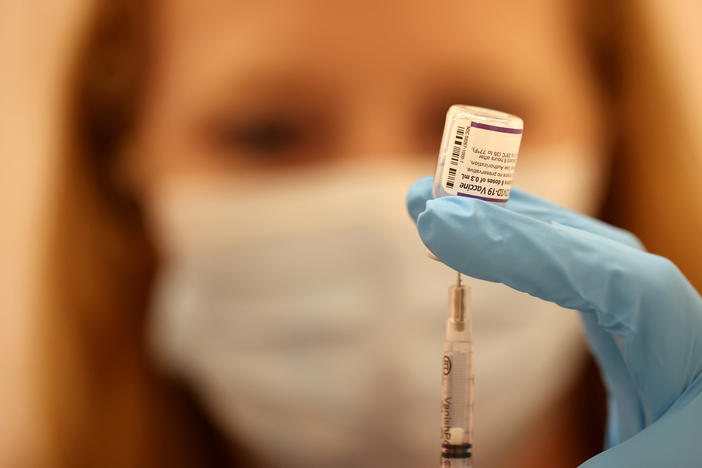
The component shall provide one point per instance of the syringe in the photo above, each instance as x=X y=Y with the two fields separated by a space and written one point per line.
x=457 y=382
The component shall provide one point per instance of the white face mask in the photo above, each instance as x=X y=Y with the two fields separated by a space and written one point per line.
x=305 y=313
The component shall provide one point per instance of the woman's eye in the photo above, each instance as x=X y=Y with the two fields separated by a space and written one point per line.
x=265 y=138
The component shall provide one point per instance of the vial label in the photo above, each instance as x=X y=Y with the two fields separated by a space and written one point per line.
x=480 y=160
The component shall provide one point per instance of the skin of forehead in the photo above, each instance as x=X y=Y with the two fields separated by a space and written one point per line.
x=350 y=40
x=361 y=57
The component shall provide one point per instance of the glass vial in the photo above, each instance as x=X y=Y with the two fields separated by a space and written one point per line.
x=478 y=153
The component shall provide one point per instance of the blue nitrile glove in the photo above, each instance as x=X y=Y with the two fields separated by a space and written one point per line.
x=643 y=318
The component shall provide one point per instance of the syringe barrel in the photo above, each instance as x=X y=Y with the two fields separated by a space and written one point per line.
x=457 y=404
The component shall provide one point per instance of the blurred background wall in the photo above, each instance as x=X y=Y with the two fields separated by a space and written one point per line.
x=36 y=43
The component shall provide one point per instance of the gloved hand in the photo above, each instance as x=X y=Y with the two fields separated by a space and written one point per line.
x=642 y=317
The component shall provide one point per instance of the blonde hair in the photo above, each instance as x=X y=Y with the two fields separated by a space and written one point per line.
x=104 y=403
x=655 y=191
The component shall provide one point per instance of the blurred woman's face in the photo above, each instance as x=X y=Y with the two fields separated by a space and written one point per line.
x=246 y=86
x=250 y=90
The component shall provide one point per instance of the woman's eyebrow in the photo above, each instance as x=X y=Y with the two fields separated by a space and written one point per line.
x=264 y=86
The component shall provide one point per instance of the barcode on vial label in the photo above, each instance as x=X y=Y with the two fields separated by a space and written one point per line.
x=455 y=155
x=451 y=177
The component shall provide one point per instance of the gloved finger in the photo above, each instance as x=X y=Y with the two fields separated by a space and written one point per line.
x=528 y=204
x=525 y=203
x=625 y=410
x=626 y=413
x=674 y=440
x=417 y=196
x=641 y=298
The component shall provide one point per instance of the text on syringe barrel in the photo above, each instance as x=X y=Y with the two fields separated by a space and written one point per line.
x=457 y=393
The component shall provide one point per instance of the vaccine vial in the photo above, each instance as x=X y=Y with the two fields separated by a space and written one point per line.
x=478 y=154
